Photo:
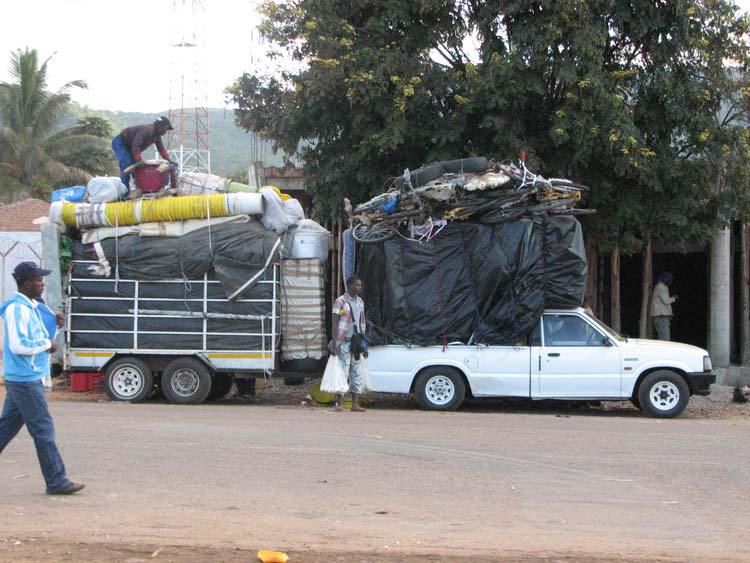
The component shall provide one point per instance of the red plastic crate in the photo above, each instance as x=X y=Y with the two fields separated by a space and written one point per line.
x=85 y=381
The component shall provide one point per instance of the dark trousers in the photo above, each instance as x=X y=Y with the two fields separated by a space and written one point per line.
x=26 y=403
x=124 y=158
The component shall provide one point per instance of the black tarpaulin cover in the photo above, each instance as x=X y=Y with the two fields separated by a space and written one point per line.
x=238 y=253
x=473 y=283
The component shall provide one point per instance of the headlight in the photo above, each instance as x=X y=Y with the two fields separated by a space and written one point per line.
x=707 y=363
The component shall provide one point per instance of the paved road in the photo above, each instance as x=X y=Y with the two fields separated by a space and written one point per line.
x=388 y=481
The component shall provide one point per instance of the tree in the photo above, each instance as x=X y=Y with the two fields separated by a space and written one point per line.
x=29 y=151
x=610 y=93
x=96 y=158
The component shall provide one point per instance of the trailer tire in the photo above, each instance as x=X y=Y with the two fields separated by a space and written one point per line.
x=186 y=381
x=440 y=388
x=220 y=387
x=128 y=379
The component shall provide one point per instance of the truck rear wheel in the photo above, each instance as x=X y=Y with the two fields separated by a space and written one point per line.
x=440 y=388
x=186 y=381
x=128 y=379
x=663 y=394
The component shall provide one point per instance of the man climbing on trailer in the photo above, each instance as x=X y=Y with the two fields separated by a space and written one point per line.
x=129 y=145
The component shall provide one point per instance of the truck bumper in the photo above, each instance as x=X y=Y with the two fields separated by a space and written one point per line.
x=700 y=382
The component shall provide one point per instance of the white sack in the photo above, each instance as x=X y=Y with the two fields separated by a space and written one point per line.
x=334 y=379
x=104 y=189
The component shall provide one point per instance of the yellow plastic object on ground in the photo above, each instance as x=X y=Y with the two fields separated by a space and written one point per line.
x=84 y=215
x=323 y=398
x=268 y=556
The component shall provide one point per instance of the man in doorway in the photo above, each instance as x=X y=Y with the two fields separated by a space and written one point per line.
x=27 y=345
x=661 y=306
x=348 y=318
x=129 y=145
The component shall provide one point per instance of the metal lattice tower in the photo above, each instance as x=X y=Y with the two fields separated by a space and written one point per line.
x=190 y=142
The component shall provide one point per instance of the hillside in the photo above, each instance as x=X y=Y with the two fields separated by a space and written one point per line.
x=231 y=147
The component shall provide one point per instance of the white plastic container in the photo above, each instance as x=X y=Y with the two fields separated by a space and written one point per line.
x=310 y=241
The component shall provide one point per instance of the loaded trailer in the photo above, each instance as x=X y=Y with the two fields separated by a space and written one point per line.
x=185 y=336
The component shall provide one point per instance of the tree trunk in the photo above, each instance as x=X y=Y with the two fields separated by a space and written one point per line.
x=647 y=276
x=592 y=258
x=615 y=289
x=745 y=289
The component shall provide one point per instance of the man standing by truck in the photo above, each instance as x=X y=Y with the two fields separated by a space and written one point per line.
x=132 y=141
x=348 y=318
x=661 y=306
x=26 y=348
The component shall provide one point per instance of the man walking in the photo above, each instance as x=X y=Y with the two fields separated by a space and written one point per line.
x=661 y=306
x=26 y=348
x=348 y=318
x=132 y=141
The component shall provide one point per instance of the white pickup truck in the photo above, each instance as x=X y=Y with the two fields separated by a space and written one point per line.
x=569 y=355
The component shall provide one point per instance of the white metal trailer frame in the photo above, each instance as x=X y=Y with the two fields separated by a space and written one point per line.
x=221 y=360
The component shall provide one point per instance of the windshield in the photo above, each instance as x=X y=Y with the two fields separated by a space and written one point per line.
x=610 y=331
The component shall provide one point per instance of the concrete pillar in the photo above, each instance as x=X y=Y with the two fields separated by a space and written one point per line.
x=720 y=317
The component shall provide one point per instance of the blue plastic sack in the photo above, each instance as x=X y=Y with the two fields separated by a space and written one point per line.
x=73 y=194
x=390 y=205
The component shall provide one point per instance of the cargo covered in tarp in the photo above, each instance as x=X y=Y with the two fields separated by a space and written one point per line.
x=474 y=283
x=239 y=253
x=190 y=315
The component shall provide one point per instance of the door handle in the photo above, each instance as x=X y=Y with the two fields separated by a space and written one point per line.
x=554 y=354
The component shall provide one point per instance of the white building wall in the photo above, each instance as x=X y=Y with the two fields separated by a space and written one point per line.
x=16 y=247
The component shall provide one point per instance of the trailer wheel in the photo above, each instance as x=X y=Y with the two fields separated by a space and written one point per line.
x=128 y=379
x=186 y=381
x=220 y=387
x=440 y=388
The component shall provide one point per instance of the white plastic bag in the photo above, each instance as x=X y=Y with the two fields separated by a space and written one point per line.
x=334 y=378
x=197 y=183
x=105 y=189
x=364 y=372
x=274 y=215
x=294 y=211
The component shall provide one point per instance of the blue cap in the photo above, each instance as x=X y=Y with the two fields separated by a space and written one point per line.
x=666 y=277
x=27 y=270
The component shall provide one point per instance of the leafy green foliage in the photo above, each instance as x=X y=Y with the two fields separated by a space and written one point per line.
x=625 y=96
x=29 y=151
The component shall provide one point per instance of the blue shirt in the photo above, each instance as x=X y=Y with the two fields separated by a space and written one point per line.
x=26 y=340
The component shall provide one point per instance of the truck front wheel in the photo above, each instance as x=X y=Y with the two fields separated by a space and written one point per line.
x=663 y=394
x=440 y=388
x=128 y=379
x=186 y=381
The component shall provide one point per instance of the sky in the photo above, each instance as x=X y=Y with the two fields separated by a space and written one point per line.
x=124 y=51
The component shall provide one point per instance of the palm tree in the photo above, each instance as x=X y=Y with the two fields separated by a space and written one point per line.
x=29 y=113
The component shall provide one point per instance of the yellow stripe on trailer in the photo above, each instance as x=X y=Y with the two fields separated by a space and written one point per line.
x=240 y=356
x=94 y=354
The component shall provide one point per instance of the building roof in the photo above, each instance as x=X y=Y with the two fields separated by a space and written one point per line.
x=18 y=216
x=288 y=172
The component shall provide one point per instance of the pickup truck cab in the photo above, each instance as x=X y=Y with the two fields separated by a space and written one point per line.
x=570 y=355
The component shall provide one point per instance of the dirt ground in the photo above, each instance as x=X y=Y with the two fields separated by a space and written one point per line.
x=718 y=405
x=495 y=481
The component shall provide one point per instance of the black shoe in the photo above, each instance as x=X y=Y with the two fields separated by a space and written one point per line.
x=68 y=489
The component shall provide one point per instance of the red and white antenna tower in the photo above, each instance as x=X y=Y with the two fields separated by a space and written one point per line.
x=190 y=142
